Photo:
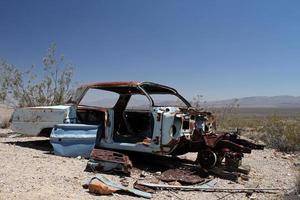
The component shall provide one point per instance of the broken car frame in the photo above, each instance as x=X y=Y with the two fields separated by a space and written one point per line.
x=162 y=127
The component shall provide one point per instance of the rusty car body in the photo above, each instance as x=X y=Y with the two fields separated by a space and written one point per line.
x=164 y=124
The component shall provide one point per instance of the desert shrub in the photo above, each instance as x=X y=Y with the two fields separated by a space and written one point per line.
x=281 y=134
x=49 y=85
x=197 y=102
x=227 y=116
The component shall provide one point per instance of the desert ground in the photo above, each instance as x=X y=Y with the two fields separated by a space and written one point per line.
x=28 y=170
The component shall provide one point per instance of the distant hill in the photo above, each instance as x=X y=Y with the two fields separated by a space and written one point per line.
x=261 y=101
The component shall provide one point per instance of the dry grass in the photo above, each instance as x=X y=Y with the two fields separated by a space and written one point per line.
x=278 y=132
x=281 y=134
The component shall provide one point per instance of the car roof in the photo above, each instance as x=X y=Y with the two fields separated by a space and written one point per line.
x=124 y=87
x=110 y=84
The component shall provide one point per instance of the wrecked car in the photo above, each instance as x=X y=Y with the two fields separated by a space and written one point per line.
x=139 y=117
x=39 y=121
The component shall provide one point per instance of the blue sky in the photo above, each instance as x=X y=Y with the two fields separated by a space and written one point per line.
x=220 y=49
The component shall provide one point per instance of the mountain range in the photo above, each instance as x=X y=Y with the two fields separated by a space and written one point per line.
x=283 y=101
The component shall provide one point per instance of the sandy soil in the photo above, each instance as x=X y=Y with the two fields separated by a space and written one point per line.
x=28 y=170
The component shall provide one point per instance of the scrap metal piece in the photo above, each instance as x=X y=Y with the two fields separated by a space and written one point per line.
x=200 y=187
x=233 y=160
x=109 y=161
x=207 y=158
x=115 y=186
x=73 y=140
x=183 y=176
x=209 y=187
x=217 y=146
x=220 y=172
x=250 y=144
x=136 y=185
x=97 y=187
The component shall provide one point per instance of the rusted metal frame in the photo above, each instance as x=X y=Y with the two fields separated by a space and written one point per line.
x=117 y=161
x=107 y=155
x=166 y=87
x=158 y=85
x=146 y=94
x=83 y=107
x=211 y=140
x=110 y=84
x=233 y=137
x=184 y=146
x=232 y=146
x=249 y=144
x=132 y=84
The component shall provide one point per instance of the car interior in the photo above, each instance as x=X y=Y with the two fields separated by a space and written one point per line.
x=131 y=124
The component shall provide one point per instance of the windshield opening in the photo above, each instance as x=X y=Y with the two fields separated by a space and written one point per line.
x=99 y=98
x=167 y=100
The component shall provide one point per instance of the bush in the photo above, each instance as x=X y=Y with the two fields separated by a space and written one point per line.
x=52 y=86
x=281 y=134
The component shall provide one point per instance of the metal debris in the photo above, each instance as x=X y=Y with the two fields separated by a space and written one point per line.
x=73 y=140
x=108 y=186
x=218 y=146
x=209 y=187
x=222 y=173
x=203 y=186
x=98 y=187
x=143 y=188
x=183 y=176
x=109 y=161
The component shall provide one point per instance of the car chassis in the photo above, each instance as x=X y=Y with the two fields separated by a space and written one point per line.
x=161 y=127
x=163 y=130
